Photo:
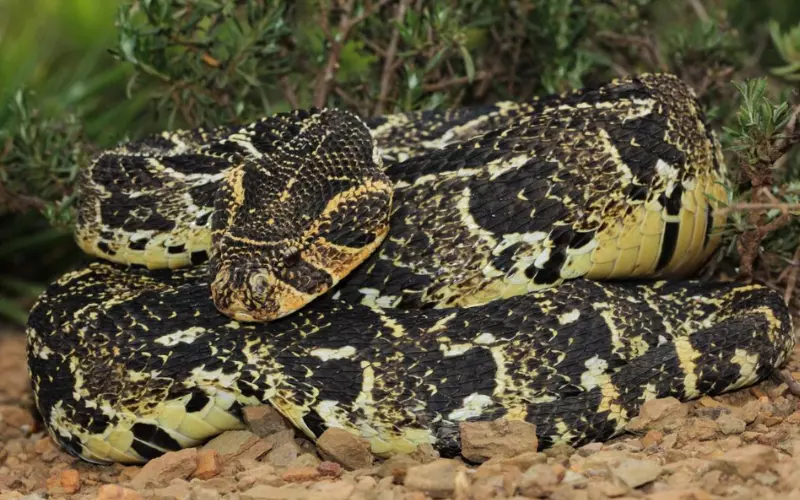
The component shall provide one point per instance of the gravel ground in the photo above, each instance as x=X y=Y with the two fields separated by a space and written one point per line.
x=744 y=445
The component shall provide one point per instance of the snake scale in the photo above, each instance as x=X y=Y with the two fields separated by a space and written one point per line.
x=397 y=276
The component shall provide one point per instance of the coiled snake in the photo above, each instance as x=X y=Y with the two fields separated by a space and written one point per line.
x=397 y=277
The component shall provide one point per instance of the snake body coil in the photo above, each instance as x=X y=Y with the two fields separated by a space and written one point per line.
x=458 y=282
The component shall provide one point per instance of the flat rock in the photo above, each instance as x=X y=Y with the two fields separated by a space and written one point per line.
x=266 y=492
x=652 y=438
x=397 y=466
x=204 y=494
x=681 y=494
x=317 y=491
x=300 y=474
x=284 y=454
x=502 y=484
x=178 y=489
x=67 y=481
x=305 y=460
x=425 y=453
x=117 y=492
x=603 y=460
x=481 y=441
x=437 y=479
x=262 y=475
x=349 y=450
x=730 y=424
x=748 y=412
x=239 y=443
x=635 y=473
x=222 y=485
x=331 y=490
x=160 y=471
x=746 y=461
x=264 y=420
x=664 y=414
x=698 y=429
x=541 y=480
x=330 y=469
x=208 y=464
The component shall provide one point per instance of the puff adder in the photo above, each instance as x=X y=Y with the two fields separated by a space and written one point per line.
x=398 y=276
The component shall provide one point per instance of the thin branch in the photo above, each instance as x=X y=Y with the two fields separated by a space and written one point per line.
x=388 y=63
x=787 y=378
x=461 y=80
x=791 y=280
x=347 y=98
x=337 y=41
x=19 y=203
x=790 y=137
x=288 y=92
x=746 y=207
x=700 y=10
x=650 y=46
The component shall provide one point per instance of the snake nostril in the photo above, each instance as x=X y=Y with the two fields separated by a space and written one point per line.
x=259 y=284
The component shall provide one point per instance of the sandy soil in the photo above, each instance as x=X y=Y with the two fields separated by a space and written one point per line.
x=743 y=445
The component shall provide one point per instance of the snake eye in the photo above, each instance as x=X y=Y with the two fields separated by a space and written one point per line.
x=291 y=257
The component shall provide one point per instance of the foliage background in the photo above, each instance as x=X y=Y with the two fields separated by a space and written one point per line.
x=81 y=75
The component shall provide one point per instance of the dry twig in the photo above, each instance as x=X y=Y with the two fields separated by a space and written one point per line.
x=337 y=42
x=787 y=378
x=461 y=80
x=19 y=203
x=791 y=279
x=388 y=62
x=700 y=10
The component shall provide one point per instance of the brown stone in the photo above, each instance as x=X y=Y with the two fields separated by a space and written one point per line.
x=116 y=492
x=396 y=466
x=199 y=493
x=664 y=414
x=501 y=484
x=329 y=469
x=481 y=441
x=746 y=461
x=540 y=480
x=305 y=460
x=425 y=453
x=208 y=464
x=437 y=479
x=267 y=492
x=331 y=490
x=348 y=449
x=263 y=474
x=300 y=474
x=283 y=454
x=70 y=481
x=16 y=417
x=160 y=471
x=177 y=489
x=265 y=420
x=652 y=438
x=46 y=448
x=698 y=429
x=636 y=473
x=238 y=444
x=681 y=494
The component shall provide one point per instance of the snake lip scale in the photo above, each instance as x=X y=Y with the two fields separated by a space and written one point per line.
x=399 y=275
